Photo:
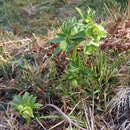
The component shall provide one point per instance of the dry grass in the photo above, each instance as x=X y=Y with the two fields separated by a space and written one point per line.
x=80 y=116
x=119 y=109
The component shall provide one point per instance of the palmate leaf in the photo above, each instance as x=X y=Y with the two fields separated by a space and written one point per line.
x=57 y=40
x=96 y=32
x=90 y=47
x=25 y=104
x=67 y=26
x=74 y=83
x=87 y=71
x=28 y=112
x=25 y=111
x=63 y=45
x=16 y=100
x=79 y=37
x=28 y=99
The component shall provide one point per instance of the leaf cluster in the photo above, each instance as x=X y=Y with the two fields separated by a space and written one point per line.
x=73 y=31
x=25 y=104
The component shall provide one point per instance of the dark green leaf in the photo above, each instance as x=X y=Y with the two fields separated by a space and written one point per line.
x=90 y=47
x=56 y=40
x=63 y=45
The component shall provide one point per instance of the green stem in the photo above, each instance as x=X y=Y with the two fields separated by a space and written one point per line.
x=27 y=121
x=74 y=53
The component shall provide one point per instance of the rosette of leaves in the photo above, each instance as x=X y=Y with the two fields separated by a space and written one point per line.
x=73 y=31
x=92 y=31
x=25 y=105
x=68 y=37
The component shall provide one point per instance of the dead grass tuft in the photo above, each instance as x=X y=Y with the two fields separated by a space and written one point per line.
x=118 y=110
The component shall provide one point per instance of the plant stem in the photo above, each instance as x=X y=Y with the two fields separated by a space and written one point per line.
x=74 y=53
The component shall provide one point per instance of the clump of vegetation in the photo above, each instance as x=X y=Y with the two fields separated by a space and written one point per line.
x=74 y=31
x=25 y=105
x=88 y=81
x=75 y=75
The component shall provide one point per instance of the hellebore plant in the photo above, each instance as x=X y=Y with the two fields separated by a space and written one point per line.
x=73 y=31
x=24 y=105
